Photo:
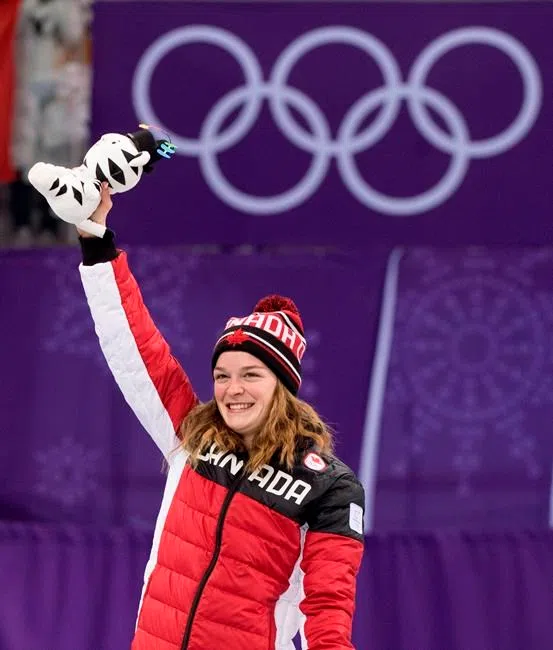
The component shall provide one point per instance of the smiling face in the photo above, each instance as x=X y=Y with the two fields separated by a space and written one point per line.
x=243 y=388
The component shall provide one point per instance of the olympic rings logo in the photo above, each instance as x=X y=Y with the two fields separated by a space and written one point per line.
x=350 y=138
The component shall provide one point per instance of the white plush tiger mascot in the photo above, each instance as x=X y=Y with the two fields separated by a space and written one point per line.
x=119 y=160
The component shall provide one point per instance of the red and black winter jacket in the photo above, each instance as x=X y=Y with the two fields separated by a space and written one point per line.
x=239 y=561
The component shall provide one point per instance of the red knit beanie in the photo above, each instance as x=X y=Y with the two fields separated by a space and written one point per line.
x=273 y=333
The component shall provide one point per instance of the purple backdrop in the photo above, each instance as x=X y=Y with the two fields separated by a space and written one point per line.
x=82 y=482
x=461 y=396
x=424 y=124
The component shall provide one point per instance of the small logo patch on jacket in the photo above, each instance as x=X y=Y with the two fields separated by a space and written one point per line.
x=314 y=462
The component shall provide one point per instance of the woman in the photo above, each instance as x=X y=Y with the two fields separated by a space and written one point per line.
x=260 y=530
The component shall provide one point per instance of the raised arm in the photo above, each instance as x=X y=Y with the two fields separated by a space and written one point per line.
x=331 y=558
x=152 y=381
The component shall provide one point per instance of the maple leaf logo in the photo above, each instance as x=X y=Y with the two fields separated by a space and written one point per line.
x=237 y=337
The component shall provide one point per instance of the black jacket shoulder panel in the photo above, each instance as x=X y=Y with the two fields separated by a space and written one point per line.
x=339 y=507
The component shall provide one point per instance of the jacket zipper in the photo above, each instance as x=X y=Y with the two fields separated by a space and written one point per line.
x=211 y=566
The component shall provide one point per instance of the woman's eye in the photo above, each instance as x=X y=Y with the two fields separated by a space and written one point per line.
x=251 y=374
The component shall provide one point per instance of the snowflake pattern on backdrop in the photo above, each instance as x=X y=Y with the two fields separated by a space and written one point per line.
x=71 y=329
x=162 y=275
x=67 y=472
x=470 y=351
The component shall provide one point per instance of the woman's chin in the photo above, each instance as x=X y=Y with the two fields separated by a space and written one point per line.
x=243 y=426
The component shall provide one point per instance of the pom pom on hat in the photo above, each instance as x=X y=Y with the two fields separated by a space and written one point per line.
x=276 y=303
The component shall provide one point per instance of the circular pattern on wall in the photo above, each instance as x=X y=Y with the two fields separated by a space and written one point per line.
x=473 y=347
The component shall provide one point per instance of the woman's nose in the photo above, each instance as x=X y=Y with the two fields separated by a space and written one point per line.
x=236 y=387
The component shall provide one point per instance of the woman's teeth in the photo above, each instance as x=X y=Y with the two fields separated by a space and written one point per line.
x=238 y=407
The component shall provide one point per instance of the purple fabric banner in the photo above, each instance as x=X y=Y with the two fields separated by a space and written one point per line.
x=421 y=124
x=456 y=591
x=462 y=381
x=67 y=587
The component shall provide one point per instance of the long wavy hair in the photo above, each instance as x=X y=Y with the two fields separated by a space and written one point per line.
x=291 y=424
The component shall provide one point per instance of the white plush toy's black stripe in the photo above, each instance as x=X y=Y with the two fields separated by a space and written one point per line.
x=129 y=157
x=100 y=175
x=78 y=196
x=116 y=172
